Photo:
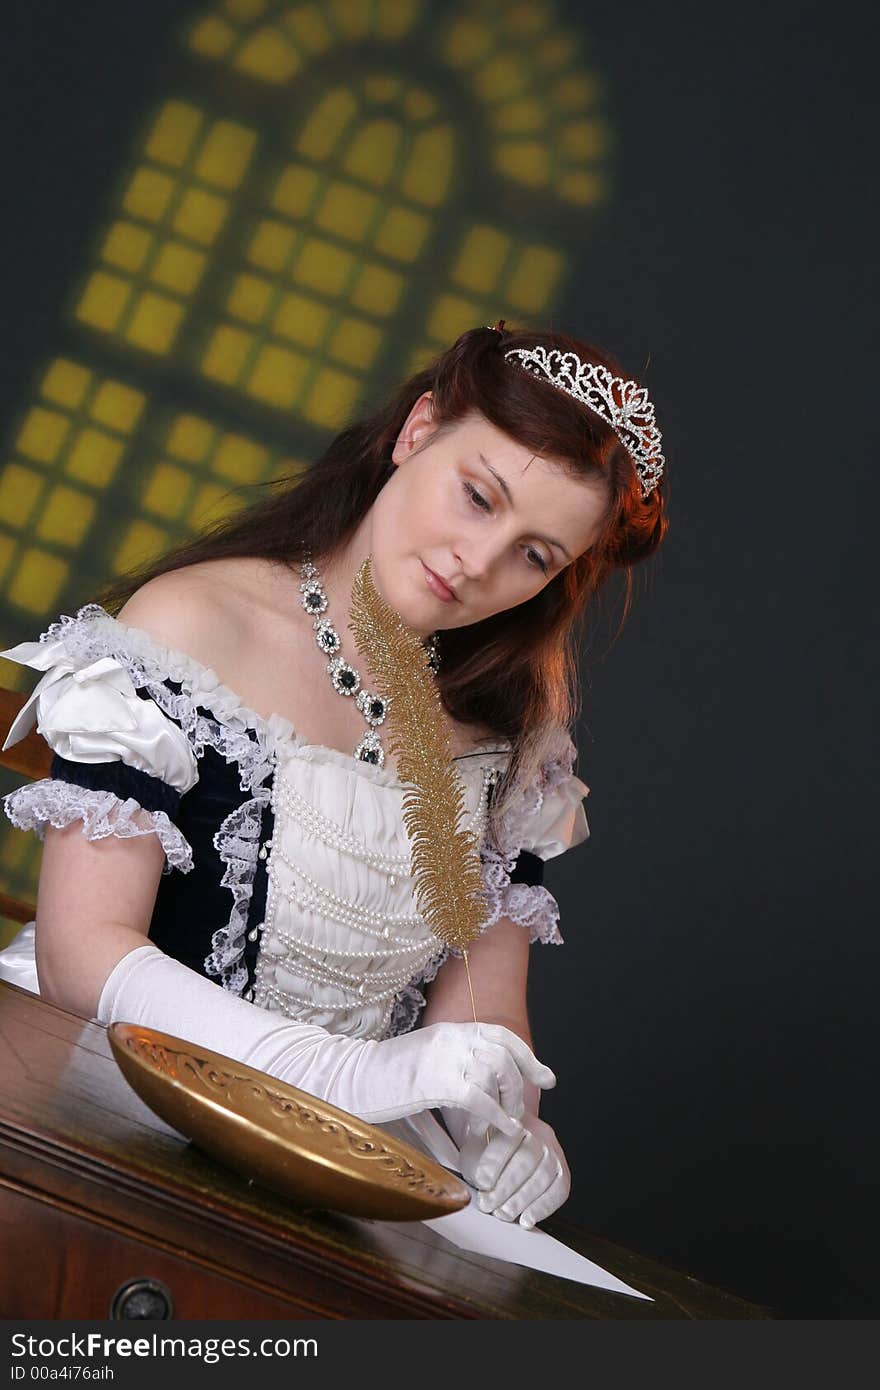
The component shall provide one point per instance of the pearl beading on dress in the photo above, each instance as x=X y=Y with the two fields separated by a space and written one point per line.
x=296 y=1005
x=295 y=943
x=341 y=910
x=328 y=831
x=332 y=834
x=305 y=963
x=284 y=1000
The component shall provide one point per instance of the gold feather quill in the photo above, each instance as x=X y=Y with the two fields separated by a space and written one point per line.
x=445 y=859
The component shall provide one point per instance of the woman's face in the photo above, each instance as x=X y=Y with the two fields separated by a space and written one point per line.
x=491 y=519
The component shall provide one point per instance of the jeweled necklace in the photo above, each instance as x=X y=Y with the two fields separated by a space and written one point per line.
x=346 y=679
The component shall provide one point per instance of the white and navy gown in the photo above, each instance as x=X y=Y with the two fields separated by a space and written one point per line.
x=287 y=876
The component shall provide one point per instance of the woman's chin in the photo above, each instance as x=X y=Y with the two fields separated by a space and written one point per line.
x=411 y=600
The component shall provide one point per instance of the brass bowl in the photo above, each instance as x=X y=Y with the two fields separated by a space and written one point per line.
x=280 y=1136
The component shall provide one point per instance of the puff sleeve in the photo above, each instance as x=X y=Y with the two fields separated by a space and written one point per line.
x=121 y=765
x=545 y=819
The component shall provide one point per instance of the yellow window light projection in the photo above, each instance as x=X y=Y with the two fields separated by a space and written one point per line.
x=250 y=297
x=278 y=376
x=179 y=488
x=94 y=457
x=20 y=490
x=493 y=274
x=301 y=319
x=352 y=215
x=117 y=405
x=539 y=99
x=347 y=211
x=324 y=267
x=308 y=28
x=170 y=142
x=67 y=452
x=37 y=580
x=211 y=503
x=127 y=246
x=178 y=267
x=42 y=434
x=268 y=55
x=240 y=459
x=377 y=290
x=318 y=258
x=92 y=444
x=173 y=208
x=189 y=438
x=226 y=355
x=167 y=491
x=7 y=552
x=295 y=190
x=66 y=516
x=273 y=45
x=271 y=245
x=373 y=153
x=141 y=542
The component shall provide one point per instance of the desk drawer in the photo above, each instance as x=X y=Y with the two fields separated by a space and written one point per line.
x=55 y=1263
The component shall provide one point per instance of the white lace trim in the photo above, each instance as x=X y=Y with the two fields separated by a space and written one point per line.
x=238 y=843
x=94 y=633
x=51 y=802
x=529 y=905
x=408 y=1004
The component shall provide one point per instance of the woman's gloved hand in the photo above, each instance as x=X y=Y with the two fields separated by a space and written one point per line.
x=478 y=1068
x=474 y=1068
x=521 y=1179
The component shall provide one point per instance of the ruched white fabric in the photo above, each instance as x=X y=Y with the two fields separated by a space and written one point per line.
x=343 y=945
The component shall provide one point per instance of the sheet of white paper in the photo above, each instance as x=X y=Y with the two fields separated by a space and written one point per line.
x=484 y=1234
x=472 y=1229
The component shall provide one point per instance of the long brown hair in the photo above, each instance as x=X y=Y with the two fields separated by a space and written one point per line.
x=515 y=674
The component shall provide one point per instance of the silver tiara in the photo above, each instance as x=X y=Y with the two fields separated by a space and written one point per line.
x=624 y=404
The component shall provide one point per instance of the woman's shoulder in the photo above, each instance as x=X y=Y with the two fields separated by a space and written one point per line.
x=201 y=609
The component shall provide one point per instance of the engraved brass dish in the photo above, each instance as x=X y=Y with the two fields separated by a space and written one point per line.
x=288 y=1140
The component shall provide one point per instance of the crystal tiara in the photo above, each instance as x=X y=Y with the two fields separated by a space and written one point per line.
x=624 y=404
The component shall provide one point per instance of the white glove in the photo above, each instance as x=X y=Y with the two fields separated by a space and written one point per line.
x=523 y=1178
x=476 y=1067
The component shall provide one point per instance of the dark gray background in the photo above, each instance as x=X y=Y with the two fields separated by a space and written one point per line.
x=711 y=1014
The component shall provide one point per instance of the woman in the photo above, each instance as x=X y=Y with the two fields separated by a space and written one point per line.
x=222 y=725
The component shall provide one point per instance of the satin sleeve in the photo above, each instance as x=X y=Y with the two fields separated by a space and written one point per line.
x=559 y=822
x=121 y=765
x=547 y=818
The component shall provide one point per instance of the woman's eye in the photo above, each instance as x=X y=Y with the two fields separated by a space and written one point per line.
x=480 y=501
x=477 y=498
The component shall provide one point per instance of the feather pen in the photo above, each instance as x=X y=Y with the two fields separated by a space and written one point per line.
x=445 y=859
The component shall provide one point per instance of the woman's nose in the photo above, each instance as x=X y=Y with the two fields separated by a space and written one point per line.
x=473 y=561
x=478 y=558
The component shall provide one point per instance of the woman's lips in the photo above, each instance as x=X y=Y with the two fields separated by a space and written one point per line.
x=436 y=585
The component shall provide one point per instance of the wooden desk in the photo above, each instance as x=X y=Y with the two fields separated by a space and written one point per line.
x=95 y=1192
